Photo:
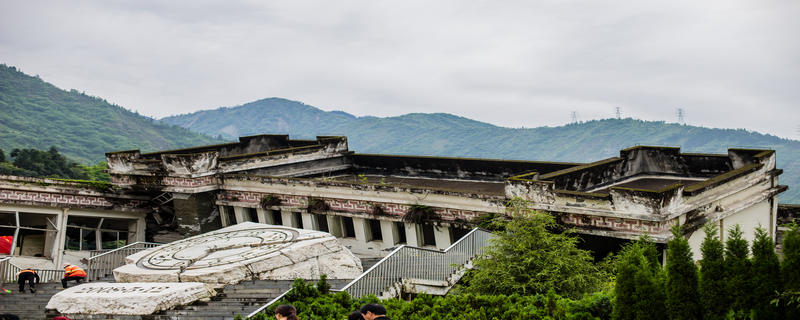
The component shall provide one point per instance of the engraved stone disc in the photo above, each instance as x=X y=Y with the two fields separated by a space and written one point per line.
x=219 y=248
x=241 y=252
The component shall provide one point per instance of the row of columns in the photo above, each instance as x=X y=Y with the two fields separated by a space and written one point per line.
x=389 y=229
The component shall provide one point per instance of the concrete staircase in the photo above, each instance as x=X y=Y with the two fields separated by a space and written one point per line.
x=230 y=300
x=28 y=305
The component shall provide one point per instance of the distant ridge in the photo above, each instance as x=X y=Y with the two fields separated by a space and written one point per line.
x=441 y=134
x=36 y=114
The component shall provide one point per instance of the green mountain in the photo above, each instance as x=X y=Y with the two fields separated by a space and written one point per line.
x=36 y=115
x=448 y=135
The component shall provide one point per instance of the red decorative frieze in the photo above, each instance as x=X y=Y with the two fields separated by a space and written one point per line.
x=63 y=199
x=616 y=224
x=347 y=205
x=189 y=182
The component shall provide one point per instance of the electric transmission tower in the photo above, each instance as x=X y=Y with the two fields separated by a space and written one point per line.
x=574 y=117
x=619 y=114
x=681 y=114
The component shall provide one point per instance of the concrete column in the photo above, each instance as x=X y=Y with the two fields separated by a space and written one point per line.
x=141 y=227
x=442 y=236
x=241 y=214
x=388 y=233
x=61 y=237
x=412 y=235
x=308 y=221
x=264 y=216
x=286 y=218
x=361 y=229
x=335 y=225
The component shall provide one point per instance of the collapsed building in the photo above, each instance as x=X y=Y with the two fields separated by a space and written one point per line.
x=375 y=202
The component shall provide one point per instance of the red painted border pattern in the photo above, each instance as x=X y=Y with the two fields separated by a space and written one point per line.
x=189 y=182
x=616 y=224
x=347 y=205
x=68 y=199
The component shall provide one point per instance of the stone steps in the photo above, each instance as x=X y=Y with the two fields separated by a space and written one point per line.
x=231 y=300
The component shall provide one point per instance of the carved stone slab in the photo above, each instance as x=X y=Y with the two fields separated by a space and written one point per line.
x=242 y=252
x=127 y=298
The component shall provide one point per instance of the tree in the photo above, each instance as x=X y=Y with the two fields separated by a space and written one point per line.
x=738 y=272
x=789 y=270
x=766 y=276
x=2 y=156
x=639 y=288
x=682 y=297
x=712 y=286
x=528 y=258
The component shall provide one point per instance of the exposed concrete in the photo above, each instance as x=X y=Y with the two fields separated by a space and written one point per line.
x=196 y=214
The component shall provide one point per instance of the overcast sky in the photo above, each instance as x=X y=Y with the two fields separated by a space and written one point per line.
x=727 y=63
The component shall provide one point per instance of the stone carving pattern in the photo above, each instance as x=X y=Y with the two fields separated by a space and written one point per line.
x=218 y=248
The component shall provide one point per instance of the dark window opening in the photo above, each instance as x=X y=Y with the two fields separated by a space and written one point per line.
x=457 y=233
x=428 y=235
x=401 y=232
x=322 y=222
x=349 y=227
x=375 y=230
x=231 y=214
x=252 y=213
x=277 y=219
x=298 y=220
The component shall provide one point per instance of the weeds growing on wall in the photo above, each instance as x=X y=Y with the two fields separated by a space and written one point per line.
x=270 y=201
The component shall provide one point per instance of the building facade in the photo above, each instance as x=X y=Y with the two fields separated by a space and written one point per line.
x=376 y=202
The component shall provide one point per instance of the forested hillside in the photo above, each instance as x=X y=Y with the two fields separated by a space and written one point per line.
x=449 y=135
x=36 y=115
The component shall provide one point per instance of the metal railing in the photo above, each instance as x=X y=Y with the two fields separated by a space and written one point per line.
x=97 y=266
x=102 y=264
x=418 y=263
x=407 y=262
x=8 y=272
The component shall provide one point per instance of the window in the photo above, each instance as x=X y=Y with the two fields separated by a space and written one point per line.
x=428 y=235
x=401 y=232
x=457 y=233
x=231 y=215
x=375 y=230
x=349 y=228
x=322 y=222
x=297 y=220
x=277 y=219
x=252 y=214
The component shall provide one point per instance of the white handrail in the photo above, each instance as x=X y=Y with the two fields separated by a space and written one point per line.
x=427 y=264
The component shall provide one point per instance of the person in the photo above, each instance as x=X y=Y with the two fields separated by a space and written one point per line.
x=27 y=275
x=355 y=315
x=72 y=272
x=285 y=312
x=374 y=311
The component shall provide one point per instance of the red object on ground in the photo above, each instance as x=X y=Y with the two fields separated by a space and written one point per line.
x=5 y=244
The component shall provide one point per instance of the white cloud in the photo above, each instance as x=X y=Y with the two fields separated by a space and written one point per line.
x=513 y=63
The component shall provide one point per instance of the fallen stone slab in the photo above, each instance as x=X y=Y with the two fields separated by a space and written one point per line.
x=127 y=298
x=240 y=252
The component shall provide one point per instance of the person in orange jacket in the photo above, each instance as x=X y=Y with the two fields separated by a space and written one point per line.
x=72 y=272
x=27 y=275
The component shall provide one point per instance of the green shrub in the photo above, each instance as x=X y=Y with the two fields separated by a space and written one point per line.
x=682 y=297
x=712 y=286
